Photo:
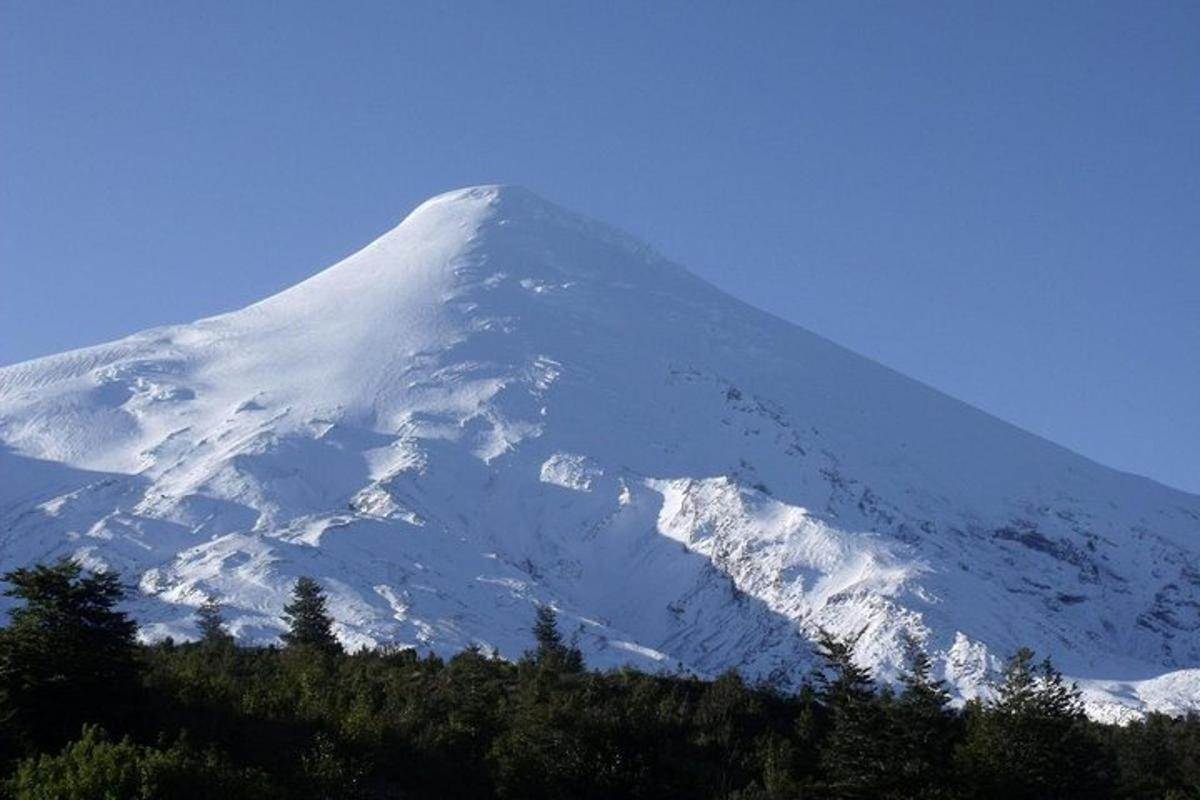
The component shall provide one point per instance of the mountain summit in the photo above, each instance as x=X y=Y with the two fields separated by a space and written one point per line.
x=499 y=403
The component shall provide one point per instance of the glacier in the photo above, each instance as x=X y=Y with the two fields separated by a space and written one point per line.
x=500 y=403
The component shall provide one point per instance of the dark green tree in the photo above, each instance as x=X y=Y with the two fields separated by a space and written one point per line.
x=308 y=619
x=1033 y=741
x=855 y=756
x=728 y=717
x=1158 y=757
x=545 y=630
x=211 y=624
x=551 y=651
x=924 y=731
x=67 y=655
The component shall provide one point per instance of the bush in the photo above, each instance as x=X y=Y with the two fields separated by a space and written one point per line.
x=96 y=768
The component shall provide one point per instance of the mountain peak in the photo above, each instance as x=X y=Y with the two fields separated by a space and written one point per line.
x=489 y=194
x=487 y=203
x=447 y=240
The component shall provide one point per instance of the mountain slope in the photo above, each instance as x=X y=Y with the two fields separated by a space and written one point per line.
x=499 y=403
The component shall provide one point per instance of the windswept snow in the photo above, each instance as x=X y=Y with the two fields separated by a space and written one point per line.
x=499 y=403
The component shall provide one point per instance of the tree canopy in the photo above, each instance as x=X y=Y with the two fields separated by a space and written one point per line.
x=211 y=624
x=235 y=721
x=67 y=654
x=307 y=616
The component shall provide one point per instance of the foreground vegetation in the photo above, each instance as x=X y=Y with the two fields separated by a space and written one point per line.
x=87 y=713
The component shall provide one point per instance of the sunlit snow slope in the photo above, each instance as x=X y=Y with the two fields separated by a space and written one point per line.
x=499 y=403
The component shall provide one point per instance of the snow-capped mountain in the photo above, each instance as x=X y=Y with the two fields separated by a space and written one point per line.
x=499 y=403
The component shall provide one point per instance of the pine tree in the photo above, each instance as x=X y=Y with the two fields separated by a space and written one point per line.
x=308 y=620
x=1055 y=698
x=924 y=730
x=1017 y=693
x=211 y=623
x=1033 y=740
x=550 y=650
x=67 y=655
x=854 y=758
x=545 y=631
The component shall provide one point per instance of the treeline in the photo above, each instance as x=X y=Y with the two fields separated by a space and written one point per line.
x=86 y=713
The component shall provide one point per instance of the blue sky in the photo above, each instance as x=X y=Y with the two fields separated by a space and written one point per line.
x=1000 y=199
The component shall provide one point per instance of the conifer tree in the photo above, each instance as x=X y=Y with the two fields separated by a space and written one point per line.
x=545 y=630
x=924 y=730
x=550 y=648
x=67 y=654
x=211 y=623
x=1033 y=740
x=854 y=759
x=307 y=617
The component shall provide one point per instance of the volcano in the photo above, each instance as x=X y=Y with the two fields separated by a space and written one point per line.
x=500 y=403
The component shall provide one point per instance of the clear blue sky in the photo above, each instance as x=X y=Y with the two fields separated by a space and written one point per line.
x=1001 y=199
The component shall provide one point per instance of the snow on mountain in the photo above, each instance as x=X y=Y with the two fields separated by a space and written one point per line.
x=500 y=403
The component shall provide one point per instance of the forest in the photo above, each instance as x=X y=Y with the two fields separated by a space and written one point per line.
x=88 y=712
